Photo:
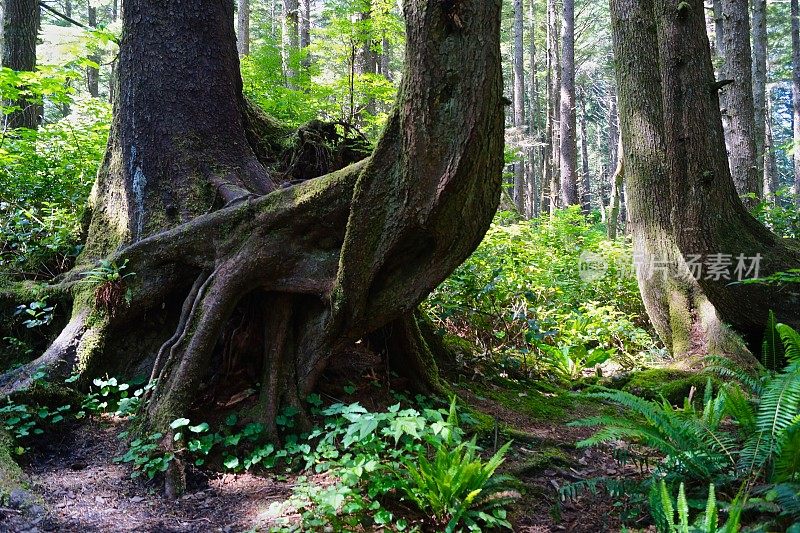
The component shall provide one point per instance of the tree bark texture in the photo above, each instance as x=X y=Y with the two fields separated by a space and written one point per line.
x=679 y=311
x=243 y=27
x=795 y=13
x=701 y=182
x=321 y=264
x=519 y=103
x=568 y=124
x=20 y=27
x=737 y=100
x=759 y=28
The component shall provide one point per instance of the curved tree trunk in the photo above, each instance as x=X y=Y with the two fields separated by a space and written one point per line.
x=678 y=309
x=704 y=217
x=319 y=265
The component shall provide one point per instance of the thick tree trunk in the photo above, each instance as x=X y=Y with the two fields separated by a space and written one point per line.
x=759 y=23
x=795 y=11
x=519 y=104
x=676 y=305
x=701 y=182
x=568 y=136
x=321 y=264
x=243 y=28
x=20 y=26
x=737 y=100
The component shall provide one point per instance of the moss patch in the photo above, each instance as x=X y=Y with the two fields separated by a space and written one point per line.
x=533 y=403
x=11 y=476
x=541 y=460
x=674 y=385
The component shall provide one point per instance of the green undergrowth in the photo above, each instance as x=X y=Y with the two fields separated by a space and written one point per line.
x=410 y=467
x=545 y=298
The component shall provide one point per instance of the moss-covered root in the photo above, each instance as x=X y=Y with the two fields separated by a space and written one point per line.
x=410 y=356
x=57 y=361
x=670 y=384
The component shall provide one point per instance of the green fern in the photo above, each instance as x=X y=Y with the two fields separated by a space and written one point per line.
x=772 y=356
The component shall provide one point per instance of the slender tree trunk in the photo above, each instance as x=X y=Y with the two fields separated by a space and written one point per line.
x=536 y=152
x=92 y=72
x=759 y=23
x=554 y=104
x=795 y=11
x=2 y=30
x=568 y=136
x=770 y=164
x=243 y=28
x=617 y=180
x=719 y=28
x=20 y=26
x=386 y=57
x=305 y=24
x=519 y=104
x=585 y=187
x=290 y=40
x=738 y=101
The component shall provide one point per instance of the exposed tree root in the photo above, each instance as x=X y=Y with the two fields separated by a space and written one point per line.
x=335 y=258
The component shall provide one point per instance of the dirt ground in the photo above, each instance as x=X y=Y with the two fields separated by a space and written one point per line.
x=76 y=487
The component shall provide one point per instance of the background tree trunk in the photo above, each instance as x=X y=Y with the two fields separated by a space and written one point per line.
x=243 y=28
x=290 y=36
x=795 y=11
x=759 y=23
x=770 y=164
x=554 y=107
x=20 y=26
x=584 y=189
x=519 y=104
x=738 y=100
x=305 y=24
x=93 y=73
x=568 y=137
x=535 y=123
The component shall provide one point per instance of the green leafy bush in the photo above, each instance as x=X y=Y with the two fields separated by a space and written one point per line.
x=46 y=175
x=522 y=298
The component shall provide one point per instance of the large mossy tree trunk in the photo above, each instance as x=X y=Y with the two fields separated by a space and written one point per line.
x=675 y=149
x=680 y=313
x=319 y=265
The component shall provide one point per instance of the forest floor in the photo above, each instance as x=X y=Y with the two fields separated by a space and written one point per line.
x=75 y=485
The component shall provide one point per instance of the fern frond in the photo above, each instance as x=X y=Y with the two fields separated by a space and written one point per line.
x=791 y=342
x=787 y=463
x=777 y=410
x=728 y=369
